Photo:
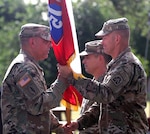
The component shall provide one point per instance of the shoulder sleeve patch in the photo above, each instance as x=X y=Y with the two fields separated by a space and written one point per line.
x=24 y=80
x=117 y=80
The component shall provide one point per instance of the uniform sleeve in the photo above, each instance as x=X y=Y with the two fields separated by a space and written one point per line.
x=90 y=117
x=55 y=125
x=113 y=85
x=37 y=97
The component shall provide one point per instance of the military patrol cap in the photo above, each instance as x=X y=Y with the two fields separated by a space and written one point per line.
x=112 y=25
x=92 y=47
x=35 y=30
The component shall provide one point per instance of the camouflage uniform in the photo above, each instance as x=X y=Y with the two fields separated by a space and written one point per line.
x=26 y=101
x=123 y=91
x=55 y=127
x=88 y=106
x=88 y=122
x=86 y=126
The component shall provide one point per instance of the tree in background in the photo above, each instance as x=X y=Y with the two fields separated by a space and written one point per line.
x=13 y=14
x=137 y=13
x=89 y=17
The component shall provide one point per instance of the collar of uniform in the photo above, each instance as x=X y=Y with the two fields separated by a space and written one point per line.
x=123 y=52
x=120 y=55
x=31 y=59
x=100 y=78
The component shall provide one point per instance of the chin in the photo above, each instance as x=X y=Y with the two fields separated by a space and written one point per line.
x=46 y=56
x=86 y=70
x=106 y=52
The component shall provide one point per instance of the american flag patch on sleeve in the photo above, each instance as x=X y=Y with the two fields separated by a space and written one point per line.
x=24 y=80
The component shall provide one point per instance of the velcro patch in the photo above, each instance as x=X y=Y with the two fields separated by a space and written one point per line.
x=24 y=80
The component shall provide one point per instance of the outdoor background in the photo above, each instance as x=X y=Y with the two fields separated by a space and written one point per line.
x=89 y=17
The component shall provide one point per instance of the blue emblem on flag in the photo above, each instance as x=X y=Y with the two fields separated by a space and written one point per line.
x=55 y=22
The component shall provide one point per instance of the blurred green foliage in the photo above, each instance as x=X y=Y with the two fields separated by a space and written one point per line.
x=89 y=17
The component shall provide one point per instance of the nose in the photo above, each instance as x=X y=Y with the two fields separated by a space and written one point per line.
x=102 y=42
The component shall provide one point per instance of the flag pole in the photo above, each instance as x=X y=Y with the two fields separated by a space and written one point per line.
x=65 y=46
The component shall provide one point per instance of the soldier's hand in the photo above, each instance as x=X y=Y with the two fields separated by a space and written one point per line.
x=73 y=126
x=67 y=130
x=64 y=71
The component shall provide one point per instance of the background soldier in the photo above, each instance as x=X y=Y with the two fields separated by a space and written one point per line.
x=123 y=89
x=95 y=63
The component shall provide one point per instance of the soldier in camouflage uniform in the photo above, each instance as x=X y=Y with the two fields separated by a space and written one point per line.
x=95 y=63
x=26 y=101
x=123 y=89
x=56 y=127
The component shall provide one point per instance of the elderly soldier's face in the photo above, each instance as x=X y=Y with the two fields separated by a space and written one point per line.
x=108 y=43
x=42 y=48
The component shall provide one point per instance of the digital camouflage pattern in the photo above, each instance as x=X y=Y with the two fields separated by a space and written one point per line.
x=35 y=30
x=113 y=25
x=55 y=127
x=85 y=125
x=92 y=47
x=123 y=91
x=88 y=122
x=26 y=101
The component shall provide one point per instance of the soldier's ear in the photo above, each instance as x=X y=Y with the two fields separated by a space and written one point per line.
x=117 y=37
x=32 y=42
